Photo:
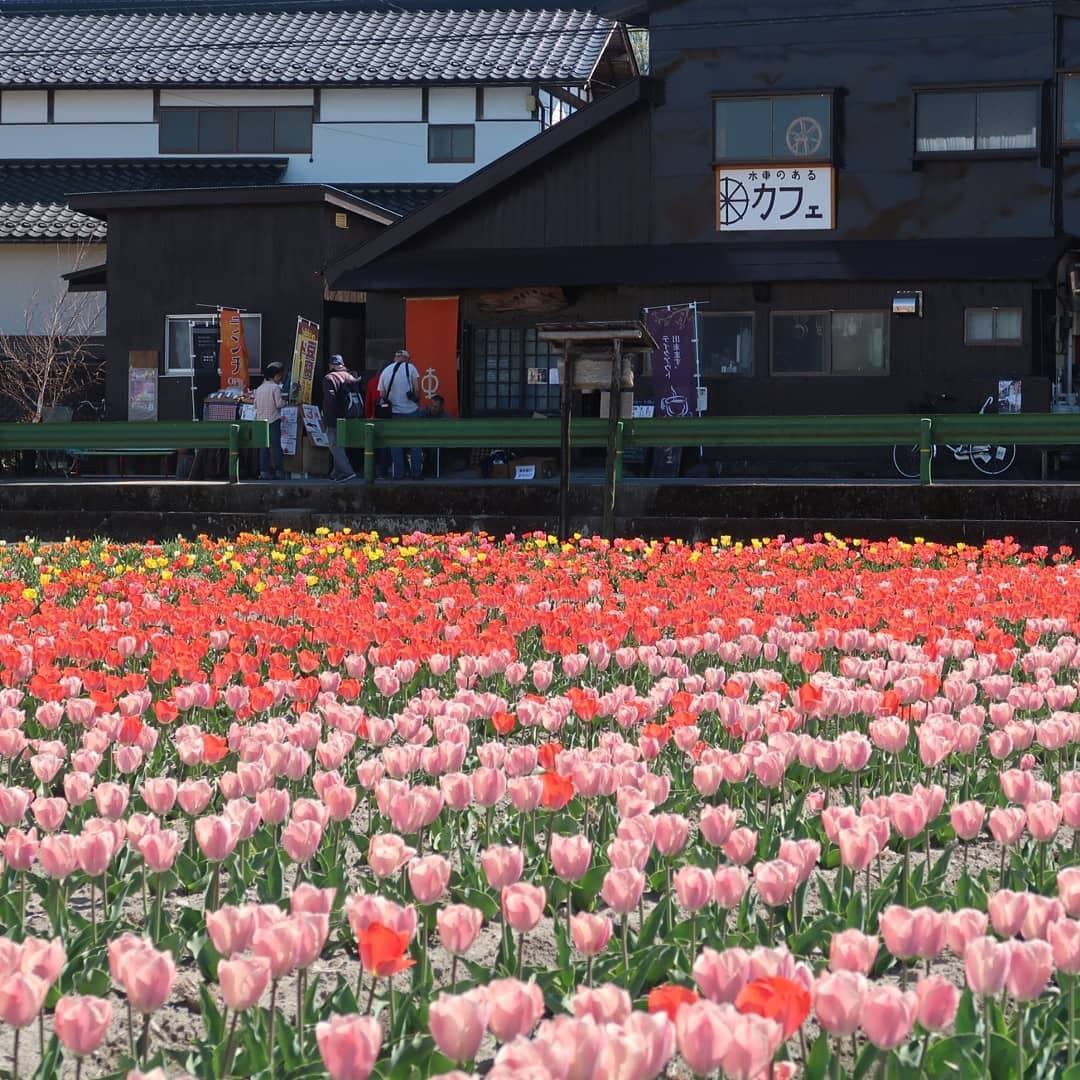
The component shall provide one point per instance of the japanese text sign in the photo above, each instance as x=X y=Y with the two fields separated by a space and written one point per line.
x=233 y=351
x=771 y=199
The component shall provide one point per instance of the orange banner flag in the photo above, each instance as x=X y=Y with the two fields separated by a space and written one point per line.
x=431 y=336
x=233 y=357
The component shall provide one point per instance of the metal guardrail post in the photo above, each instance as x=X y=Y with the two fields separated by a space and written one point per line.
x=926 y=450
x=369 y=453
x=620 y=439
x=234 y=453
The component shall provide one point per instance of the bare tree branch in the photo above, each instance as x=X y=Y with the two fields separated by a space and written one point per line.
x=54 y=359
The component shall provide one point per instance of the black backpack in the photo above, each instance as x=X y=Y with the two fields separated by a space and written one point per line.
x=350 y=401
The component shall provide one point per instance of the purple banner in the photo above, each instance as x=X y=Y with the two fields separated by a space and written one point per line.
x=674 y=364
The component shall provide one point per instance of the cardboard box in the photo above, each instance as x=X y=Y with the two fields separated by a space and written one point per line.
x=526 y=469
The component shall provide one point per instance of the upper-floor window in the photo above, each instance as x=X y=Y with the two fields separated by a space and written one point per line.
x=785 y=127
x=235 y=131
x=1001 y=120
x=452 y=143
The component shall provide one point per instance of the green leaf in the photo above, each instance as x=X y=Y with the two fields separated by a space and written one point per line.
x=477 y=898
x=967 y=1019
x=818 y=1062
x=213 y=1021
x=271 y=886
x=94 y=982
x=865 y=1061
x=1002 y=1058
x=953 y=1055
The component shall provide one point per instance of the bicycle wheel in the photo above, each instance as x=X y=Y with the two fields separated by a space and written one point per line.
x=993 y=460
x=906 y=461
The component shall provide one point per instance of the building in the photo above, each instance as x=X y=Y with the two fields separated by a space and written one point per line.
x=378 y=109
x=872 y=205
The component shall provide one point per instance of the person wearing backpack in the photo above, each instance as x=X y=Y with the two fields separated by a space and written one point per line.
x=399 y=395
x=343 y=398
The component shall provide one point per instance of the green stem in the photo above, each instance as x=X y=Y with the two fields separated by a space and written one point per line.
x=131 y=1032
x=273 y=1017
x=1020 y=1040
x=144 y=1038
x=1072 y=1020
x=226 y=1061
x=625 y=945
x=453 y=976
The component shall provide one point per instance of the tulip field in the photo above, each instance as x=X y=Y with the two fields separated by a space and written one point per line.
x=308 y=805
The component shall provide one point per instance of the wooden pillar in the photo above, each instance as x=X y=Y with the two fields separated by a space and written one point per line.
x=614 y=409
x=566 y=397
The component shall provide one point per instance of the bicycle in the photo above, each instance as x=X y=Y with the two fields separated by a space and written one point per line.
x=987 y=459
x=85 y=412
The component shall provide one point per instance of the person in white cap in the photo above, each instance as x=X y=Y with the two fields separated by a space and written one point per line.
x=337 y=378
x=400 y=385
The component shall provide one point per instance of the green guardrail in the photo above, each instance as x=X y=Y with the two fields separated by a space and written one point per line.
x=132 y=437
x=921 y=433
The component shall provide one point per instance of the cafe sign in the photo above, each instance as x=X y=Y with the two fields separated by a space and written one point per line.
x=771 y=199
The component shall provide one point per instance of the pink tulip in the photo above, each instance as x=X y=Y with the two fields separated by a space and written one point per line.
x=21 y=998
x=591 y=933
x=280 y=945
x=231 y=928
x=693 y=887
x=1031 y=963
x=488 y=786
x=729 y=886
x=244 y=980
x=1007 y=911
x=274 y=805
x=81 y=1023
x=458 y=1024
x=908 y=815
x=938 y=1000
x=986 y=965
x=1007 y=824
x=852 y=950
x=387 y=854
x=192 y=795
x=721 y=975
x=45 y=959
x=49 y=813
x=754 y=1042
x=913 y=932
x=672 y=831
x=1068 y=883
x=1064 y=939
x=607 y=1004
x=514 y=1008
x=622 y=889
x=967 y=819
x=94 y=852
x=888 y=1015
x=459 y=926
x=349 y=1046
x=159 y=794
x=1043 y=820
x=428 y=878
x=964 y=926
x=703 y=1035
x=159 y=850
x=111 y=800
x=570 y=856
x=217 y=837
x=740 y=846
x=838 y=1001
x=57 y=856
x=502 y=865
x=309 y=898
x=717 y=824
x=858 y=848
x=775 y=882
x=340 y=800
x=146 y=976
x=523 y=905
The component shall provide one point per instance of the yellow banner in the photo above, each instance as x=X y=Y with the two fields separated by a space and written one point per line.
x=305 y=358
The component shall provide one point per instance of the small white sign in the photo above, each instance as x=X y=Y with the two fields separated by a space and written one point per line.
x=775 y=199
x=313 y=425
x=702 y=399
x=289 y=416
x=525 y=472
x=644 y=412
x=247 y=412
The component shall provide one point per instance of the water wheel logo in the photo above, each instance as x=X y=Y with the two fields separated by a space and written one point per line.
x=430 y=383
x=804 y=136
x=733 y=201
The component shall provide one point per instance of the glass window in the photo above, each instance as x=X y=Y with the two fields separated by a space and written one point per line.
x=292 y=131
x=217 y=131
x=255 y=131
x=1070 y=108
x=993 y=326
x=799 y=343
x=726 y=343
x=788 y=127
x=512 y=373
x=960 y=121
x=452 y=143
x=859 y=342
x=830 y=343
x=182 y=333
x=179 y=131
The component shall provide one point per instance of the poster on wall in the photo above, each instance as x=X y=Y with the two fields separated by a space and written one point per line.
x=204 y=348
x=305 y=359
x=288 y=429
x=1010 y=396
x=674 y=364
x=233 y=354
x=142 y=393
x=313 y=425
x=767 y=199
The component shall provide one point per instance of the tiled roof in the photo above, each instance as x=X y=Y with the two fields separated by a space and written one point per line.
x=33 y=194
x=322 y=48
x=400 y=199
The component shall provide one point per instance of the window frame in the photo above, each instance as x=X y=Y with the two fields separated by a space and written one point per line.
x=1063 y=142
x=235 y=111
x=832 y=93
x=254 y=361
x=451 y=160
x=1037 y=85
x=752 y=316
x=828 y=373
x=995 y=342
x=479 y=405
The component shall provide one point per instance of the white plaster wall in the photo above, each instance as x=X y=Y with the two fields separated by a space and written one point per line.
x=507 y=103
x=103 y=106
x=31 y=284
x=234 y=98
x=396 y=153
x=451 y=105
x=24 y=107
x=78 y=140
x=391 y=103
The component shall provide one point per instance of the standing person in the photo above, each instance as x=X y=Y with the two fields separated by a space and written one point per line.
x=371 y=398
x=268 y=404
x=399 y=384
x=337 y=383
